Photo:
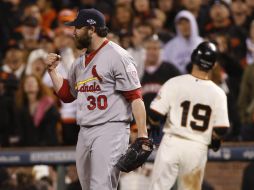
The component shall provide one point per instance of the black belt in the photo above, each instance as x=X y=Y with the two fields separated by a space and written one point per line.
x=90 y=126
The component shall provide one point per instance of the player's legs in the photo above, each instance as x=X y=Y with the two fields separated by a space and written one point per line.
x=166 y=165
x=110 y=144
x=98 y=150
x=83 y=157
x=192 y=166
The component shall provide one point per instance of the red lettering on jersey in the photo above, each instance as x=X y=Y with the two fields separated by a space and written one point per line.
x=81 y=89
x=90 y=88
x=92 y=102
x=98 y=88
x=95 y=74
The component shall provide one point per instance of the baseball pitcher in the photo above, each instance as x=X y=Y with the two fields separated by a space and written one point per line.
x=105 y=83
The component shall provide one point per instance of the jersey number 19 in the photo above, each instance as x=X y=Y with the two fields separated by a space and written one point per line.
x=200 y=112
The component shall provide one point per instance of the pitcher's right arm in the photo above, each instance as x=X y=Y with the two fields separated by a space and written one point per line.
x=60 y=85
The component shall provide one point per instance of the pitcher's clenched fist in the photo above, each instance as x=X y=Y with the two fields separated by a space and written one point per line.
x=52 y=61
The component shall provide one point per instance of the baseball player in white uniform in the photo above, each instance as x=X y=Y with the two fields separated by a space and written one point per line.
x=105 y=83
x=195 y=109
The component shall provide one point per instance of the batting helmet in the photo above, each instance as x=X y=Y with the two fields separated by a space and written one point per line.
x=204 y=56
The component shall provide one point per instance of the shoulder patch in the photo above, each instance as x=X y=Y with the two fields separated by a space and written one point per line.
x=132 y=71
x=130 y=68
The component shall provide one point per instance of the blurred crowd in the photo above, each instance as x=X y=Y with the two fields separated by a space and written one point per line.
x=39 y=177
x=159 y=34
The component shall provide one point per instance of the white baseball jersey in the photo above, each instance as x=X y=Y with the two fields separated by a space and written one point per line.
x=193 y=107
x=97 y=86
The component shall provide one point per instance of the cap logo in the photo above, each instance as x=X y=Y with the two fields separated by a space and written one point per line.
x=91 y=21
x=205 y=62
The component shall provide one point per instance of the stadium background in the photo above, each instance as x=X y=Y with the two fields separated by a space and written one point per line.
x=29 y=29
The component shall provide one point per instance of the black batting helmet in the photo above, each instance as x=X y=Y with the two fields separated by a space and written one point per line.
x=204 y=56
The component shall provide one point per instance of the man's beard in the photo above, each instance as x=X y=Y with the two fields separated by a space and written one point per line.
x=83 y=41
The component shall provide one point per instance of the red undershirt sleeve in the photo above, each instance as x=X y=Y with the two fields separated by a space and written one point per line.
x=132 y=95
x=64 y=93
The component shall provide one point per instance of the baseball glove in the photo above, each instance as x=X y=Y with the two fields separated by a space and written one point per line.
x=136 y=155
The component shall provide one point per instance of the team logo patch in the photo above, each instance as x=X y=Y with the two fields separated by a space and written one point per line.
x=131 y=70
x=158 y=97
x=91 y=21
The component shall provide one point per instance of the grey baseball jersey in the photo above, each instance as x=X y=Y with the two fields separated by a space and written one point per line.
x=97 y=85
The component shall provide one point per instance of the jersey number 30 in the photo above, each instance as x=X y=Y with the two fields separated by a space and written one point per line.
x=100 y=102
x=200 y=112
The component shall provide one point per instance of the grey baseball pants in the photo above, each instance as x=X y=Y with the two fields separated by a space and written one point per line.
x=98 y=150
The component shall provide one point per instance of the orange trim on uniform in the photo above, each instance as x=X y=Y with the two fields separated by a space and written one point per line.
x=91 y=55
x=69 y=120
x=64 y=93
x=132 y=95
